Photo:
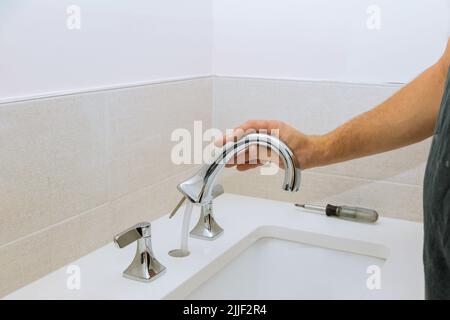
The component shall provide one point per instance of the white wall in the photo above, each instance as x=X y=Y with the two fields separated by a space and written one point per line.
x=120 y=42
x=128 y=42
x=327 y=39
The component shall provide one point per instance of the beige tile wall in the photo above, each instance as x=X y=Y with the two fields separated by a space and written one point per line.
x=390 y=182
x=77 y=169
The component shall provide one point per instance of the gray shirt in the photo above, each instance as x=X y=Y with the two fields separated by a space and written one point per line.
x=436 y=204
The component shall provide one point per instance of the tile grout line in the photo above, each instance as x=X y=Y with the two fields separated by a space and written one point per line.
x=79 y=215
x=366 y=179
x=354 y=178
x=43 y=229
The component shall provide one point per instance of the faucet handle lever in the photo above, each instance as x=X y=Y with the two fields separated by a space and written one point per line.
x=145 y=266
x=134 y=233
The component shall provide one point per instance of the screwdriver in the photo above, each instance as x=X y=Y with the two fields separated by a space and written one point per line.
x=344 y=212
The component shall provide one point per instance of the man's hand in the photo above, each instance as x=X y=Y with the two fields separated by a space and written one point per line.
x=307 y=149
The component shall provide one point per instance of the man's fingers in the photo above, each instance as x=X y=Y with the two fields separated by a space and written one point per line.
x=247 y=156
x=234 y=136
x=252 y=126
x=244 y=167
x=253 y=155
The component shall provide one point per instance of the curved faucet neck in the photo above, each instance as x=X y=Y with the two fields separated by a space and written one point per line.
x=198 y=188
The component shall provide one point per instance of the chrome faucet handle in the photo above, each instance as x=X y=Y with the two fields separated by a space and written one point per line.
x=207 y=227
x=144 y=267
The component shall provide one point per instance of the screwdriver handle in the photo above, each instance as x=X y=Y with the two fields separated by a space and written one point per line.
x=352 y=213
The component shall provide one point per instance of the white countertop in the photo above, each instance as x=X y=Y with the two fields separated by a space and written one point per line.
x=244 y=220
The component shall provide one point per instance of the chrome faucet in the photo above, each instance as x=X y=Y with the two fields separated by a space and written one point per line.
x=199 y=188
x=144 y=267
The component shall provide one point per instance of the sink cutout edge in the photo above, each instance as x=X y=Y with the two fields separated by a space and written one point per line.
x=359 y=247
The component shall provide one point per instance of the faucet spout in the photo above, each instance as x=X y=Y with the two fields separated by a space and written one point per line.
x=198 y=188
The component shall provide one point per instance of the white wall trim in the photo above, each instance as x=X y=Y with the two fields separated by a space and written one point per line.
x=192 y=77
x=99 y=88
x=313 y=81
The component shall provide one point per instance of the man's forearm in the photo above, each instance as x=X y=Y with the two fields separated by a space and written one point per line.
x=407 y=117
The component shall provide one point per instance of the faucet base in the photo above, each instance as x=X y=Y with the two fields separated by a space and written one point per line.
x=138 y=278
x=144 y=268
x=206 y=228
x=178 y=253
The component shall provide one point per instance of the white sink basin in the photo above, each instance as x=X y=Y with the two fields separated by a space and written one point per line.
x=272 y=268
